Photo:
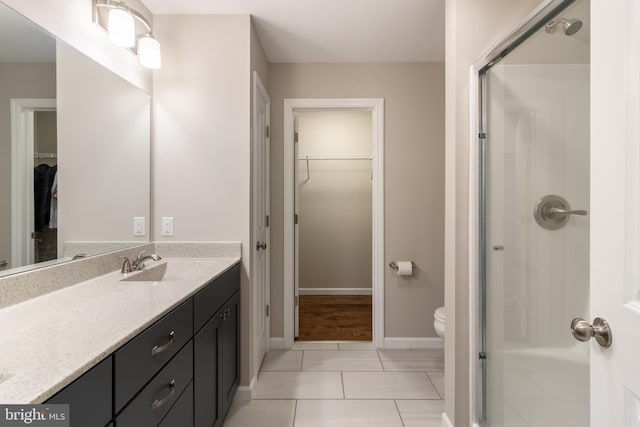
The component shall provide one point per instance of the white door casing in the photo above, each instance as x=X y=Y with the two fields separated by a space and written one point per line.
x=260 y=231
x=376 y=106
x=22 y=150
x=615 y=210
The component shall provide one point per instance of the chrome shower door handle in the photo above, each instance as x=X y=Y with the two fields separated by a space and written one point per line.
x=560 y=211
x=553 y=212
x=583 y=331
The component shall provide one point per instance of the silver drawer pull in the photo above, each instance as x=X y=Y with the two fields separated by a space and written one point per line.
x=159 y=349
x=159 y=402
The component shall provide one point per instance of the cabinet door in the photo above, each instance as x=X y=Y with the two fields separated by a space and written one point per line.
x=230 y=351
x=206 y=365
x=89 y=397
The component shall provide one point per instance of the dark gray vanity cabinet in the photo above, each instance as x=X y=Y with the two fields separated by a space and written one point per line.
x=181 y=371
x=89 y=397
x=216 y=370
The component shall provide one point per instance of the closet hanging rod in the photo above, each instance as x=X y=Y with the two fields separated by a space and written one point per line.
x=336 y=157
x=45 y=155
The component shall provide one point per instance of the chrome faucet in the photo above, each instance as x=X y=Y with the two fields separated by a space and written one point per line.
x=138 y=263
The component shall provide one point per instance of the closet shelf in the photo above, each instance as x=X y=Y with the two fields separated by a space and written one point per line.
x=307 y=157
x=335 y=157
x=45 y=155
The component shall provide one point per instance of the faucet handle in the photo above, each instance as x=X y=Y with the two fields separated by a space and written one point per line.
x=126 y=265
x=140 y=255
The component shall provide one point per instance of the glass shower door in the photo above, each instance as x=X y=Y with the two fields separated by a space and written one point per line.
x=536 y=114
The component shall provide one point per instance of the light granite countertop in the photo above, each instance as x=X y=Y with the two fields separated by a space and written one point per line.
x=49 y=341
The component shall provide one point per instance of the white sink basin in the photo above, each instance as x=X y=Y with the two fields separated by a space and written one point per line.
x=4 y=377
x=170 y=270
x=154 y=273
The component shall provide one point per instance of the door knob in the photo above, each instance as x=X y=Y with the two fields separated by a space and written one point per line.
x=261 y=245
x=583 y=331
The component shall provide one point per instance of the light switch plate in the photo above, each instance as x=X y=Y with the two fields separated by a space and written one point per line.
x=167 y=226
x=139 y=226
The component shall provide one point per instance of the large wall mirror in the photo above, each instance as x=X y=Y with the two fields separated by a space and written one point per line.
x=74 y=152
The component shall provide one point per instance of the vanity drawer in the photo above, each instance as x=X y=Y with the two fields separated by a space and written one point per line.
x=181 y=415
x=154 y=401
x=210 y=299
x=89 y=397
x=138 y=360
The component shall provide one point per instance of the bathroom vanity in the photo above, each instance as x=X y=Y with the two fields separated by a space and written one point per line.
x=134 y=352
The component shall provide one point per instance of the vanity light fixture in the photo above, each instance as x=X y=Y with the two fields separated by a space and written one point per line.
x=121 y=26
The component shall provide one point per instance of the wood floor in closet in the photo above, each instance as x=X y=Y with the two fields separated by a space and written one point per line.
x=335 y=318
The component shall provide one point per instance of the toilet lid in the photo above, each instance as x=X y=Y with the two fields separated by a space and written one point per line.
x=439 y=314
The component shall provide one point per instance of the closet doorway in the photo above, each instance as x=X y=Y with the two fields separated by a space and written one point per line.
x=336 y=237
x=333 y=200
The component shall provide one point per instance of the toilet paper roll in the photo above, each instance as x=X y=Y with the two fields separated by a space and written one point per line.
x=405 y=268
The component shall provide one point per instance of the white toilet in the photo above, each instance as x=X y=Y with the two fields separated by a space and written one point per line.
x=438 y=322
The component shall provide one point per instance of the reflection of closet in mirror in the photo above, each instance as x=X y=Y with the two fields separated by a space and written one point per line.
x=45 y=186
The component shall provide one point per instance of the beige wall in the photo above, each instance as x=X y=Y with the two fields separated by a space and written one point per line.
x=45 y=137
x=335 y=204
x=472 y=27
x=71 y=21
x=103 y=152
x=414 y=176
x=17 y=81
x=201 y=127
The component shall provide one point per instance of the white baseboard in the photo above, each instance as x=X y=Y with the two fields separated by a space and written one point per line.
x=446 y=422
x=276 y=343
x=245 y=392
x=413 y=342
x=334 y=291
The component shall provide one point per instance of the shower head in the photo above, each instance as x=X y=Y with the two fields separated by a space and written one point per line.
x=569 y=26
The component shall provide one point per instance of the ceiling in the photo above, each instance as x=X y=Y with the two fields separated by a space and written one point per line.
x=307 y=31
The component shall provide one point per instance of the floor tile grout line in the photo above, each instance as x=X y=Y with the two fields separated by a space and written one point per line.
x=344 y=394
x=295 y=412
x=433 y=385
x=395 y=402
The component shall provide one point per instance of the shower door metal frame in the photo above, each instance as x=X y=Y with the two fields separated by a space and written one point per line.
x=479 y=141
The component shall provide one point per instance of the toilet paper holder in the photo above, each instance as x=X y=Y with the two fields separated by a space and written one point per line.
x=394 y=265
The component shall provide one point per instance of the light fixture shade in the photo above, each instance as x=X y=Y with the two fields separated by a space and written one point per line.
x=149 y=52
x=122 y=29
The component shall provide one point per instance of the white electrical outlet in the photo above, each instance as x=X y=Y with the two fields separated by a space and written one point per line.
x=167 y=226
x=139 y=227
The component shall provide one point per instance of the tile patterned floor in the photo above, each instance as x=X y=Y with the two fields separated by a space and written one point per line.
x=345 y=385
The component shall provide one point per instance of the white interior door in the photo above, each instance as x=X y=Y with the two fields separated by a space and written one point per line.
x=296 y=207
x=615 y=211
x=261 y=238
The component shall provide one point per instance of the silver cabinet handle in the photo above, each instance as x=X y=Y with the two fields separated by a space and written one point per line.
x=160 y=402
x=583 y=331
x=159 y=349
x=560 y=211
x=225 y=314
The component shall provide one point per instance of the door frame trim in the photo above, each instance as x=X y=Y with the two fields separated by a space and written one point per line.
x=22 y=140
x=376 y=106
